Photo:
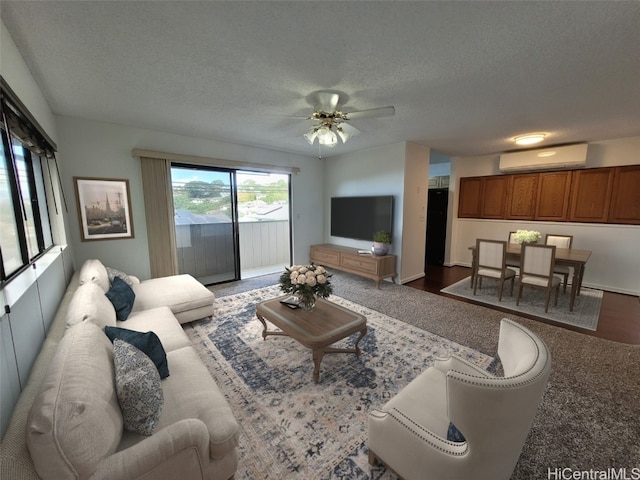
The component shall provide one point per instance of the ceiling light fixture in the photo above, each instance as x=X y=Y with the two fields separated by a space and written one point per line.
x=344 y=136
x=327 y=133
x=529 y=138
x=331 y=124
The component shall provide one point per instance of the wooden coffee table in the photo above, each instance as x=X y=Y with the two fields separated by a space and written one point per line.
x=316 y=329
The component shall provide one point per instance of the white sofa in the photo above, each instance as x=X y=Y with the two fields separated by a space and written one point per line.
x=68 y=421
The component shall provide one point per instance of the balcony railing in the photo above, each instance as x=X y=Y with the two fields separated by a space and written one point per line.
x=206 y=250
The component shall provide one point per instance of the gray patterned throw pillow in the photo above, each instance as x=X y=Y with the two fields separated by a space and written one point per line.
x=113 y=273
x=138 y=388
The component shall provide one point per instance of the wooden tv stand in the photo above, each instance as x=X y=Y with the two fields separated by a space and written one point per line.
x=349 y=260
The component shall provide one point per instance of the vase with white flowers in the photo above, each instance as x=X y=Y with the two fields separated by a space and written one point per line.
x=527 y=236
x=307 y=283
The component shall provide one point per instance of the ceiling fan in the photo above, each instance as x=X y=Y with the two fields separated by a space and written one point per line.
x=331 y=121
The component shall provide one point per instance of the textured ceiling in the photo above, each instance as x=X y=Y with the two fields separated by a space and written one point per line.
x=465 y=77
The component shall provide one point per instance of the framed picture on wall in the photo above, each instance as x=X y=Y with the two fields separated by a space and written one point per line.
x=104 y=208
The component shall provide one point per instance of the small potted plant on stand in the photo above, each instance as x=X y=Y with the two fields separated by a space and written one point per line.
x=381 y=242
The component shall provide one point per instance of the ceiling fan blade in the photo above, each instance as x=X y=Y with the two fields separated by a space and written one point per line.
x=372 y=112
x=326 y=101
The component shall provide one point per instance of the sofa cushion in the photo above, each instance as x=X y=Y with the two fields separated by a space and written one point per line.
x=148 y=342
x=138 y=388
x=93 y=271
x=90 y=303
x=163 y=323
x=75 y=420
x=122 y=298
x=180 y=293
x=204 y=401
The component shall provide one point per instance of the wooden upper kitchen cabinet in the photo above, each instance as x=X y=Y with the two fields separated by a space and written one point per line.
x=470 y=197
x=625 y=199
x=483 y=197
x=591 y=195
x=553 y=196
x=523 y=190
x=495 y=191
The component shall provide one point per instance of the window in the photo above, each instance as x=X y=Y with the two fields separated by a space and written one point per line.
x=230 y=223
x=25 y=229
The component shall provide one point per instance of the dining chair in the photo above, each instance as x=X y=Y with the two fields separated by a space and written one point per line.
x=536 y=270
x=491 y=264
x=560 y=241
x=512 y=262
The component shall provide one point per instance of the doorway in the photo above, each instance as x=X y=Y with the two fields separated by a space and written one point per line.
x=230 y=224
x=437 y=206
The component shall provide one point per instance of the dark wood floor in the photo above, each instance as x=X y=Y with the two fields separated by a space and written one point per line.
x=619 y=315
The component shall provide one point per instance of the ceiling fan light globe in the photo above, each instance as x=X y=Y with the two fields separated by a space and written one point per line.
x=344 y=136
x=327 y=137
x=310 y=136
x=322 y=130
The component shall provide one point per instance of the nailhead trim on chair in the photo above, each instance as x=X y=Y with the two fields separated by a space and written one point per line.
x=468 y=378
x=482 y=373
x=421 y=433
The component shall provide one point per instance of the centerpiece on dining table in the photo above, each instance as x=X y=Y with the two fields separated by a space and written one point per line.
x=526 y=236
x=306 y=283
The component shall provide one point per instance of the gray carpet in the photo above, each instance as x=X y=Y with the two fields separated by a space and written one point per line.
x=588 y=418
x=586 y=308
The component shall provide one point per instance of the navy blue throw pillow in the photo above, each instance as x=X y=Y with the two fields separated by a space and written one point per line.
x=148 y=342
x=122 y=297
x=453 y=434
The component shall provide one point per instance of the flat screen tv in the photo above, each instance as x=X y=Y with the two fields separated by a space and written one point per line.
x=360 y=217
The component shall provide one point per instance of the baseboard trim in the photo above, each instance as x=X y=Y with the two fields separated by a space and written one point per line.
x=412 y=278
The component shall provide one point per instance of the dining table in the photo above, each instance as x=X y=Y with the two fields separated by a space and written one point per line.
x=570 y=257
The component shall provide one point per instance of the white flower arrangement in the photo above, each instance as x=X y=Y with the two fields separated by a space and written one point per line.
x=527 y=236
x=306 y=282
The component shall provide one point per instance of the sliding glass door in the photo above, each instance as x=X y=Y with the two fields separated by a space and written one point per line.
x=230 y=224
x=205 y=221
x=263 y=223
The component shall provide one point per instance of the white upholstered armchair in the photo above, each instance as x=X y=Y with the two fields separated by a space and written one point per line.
x=494 y=414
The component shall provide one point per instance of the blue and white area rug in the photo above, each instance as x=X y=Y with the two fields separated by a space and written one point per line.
x=585 y=314
x=290 y=426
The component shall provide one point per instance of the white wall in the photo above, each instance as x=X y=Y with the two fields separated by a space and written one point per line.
x=17 y=74
x=614 y=264
x=414 y=213
x=384 y=171
x=97 y=149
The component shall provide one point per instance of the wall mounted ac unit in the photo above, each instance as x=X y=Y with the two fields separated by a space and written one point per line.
x=552 y=158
